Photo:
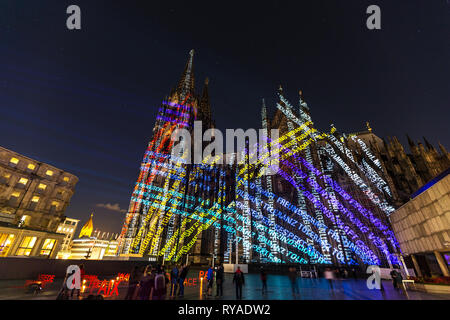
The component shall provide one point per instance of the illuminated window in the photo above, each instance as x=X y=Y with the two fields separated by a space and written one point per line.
x=7 y=175
x=54 y=206
x=34 y=202
x=42 y=186
x=26 y=246
x=5 y=243
x=14 y=160
x=49 y=173
x=14 y=198
x=47 y=247
x=15 y=194
x=66 y=179
x=23 y=181
x=31 y=166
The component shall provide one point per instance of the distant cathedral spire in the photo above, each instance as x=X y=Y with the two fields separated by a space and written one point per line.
x=443 y=150
x=429 y=145
x=186 y=85
x=264 y=109
x=410 y=142
x=205 y=105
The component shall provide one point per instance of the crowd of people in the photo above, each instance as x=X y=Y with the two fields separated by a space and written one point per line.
x=153 y=283
x=156 y=282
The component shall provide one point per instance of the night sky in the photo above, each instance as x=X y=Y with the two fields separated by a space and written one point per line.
x=85 y=101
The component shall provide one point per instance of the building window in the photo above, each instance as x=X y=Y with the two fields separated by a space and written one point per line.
x=5 y=243
x=54 y=206
x=42 y=186
x=26 y=246
x=31 y=167
x=66 y=179
x=49 y=173
x=14 y=198
x=13 y=161
x=47 y=247
x=34 y=202
x=23 y=181
x=15 y=194
x=5 y=177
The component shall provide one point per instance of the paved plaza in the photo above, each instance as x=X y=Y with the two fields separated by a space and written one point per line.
x=279 y=288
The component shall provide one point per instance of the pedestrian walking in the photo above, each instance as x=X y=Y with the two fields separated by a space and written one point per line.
x=399 y=280
x=219 y=281
x=64 y=292
x=160 y=289
x=345 y=274
x=181 y=278
x=174 y=280
x=239 y=281
x=263 y=277
x=146 y=284
x=133 y=281
x=329 y=275
x=355 y=276
x=292 y=274
x=394 y=275
x=210 y=278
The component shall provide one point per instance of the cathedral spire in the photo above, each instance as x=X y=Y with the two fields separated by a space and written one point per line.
x=443 y=151
x=429 y=145
x=410 y=142
x=205 y=105
x=186 y=84
x=264 y=109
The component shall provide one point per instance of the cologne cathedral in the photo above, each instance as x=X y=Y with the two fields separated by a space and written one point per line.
x=328 y=202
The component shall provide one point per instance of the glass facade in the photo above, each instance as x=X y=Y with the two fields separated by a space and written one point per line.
x=5 y=243
x=26 y=246
x=47 y=247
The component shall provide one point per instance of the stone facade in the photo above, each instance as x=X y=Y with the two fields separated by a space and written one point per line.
x=406 y=171
x=33 y=194
x=68 y=228
x=422 y=225
x=26 y=242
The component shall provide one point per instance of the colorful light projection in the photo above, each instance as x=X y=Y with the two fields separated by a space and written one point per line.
x=376 y=221
x=366 y=189
x=154 y=165
x=388 y=233
x=161 y=207
x=202 y=227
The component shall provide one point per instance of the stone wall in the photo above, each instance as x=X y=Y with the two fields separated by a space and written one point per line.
x=423 y=223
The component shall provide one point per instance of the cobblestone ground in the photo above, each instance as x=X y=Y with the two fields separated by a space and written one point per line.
x=279 y=288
